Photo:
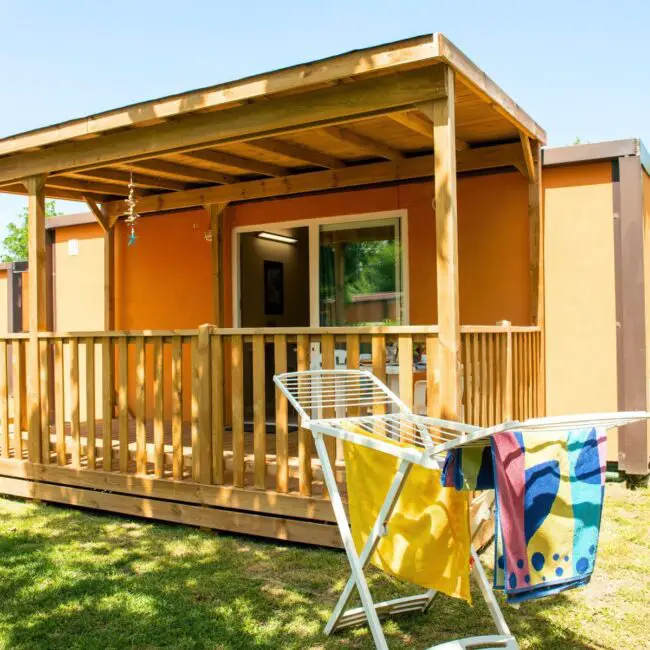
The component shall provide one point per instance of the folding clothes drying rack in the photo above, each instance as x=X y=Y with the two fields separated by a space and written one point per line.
x=364 y=405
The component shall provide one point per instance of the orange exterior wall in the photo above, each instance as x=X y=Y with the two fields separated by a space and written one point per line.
x=79 y=300
x=580 y=289
x=493 y=241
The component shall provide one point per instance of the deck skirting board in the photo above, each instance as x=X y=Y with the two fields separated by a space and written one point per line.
x=55 y=484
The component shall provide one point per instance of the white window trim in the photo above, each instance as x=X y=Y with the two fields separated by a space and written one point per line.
x=314 y=262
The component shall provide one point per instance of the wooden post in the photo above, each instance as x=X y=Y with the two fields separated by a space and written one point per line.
x=215 y=210
x=442 y=114
x=536 y=226
x=109 y=283
x=37 y=308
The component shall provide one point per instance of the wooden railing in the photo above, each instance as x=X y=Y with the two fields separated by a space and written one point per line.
x=199 y=405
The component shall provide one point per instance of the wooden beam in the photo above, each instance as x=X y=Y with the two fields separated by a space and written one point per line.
x=215 y=210
x=362 y=99
x=99 y=215
x=531 y=170
x=361 y=142
x=444 y=126
x=185 y=172
x=224 y=159
x=37 y=308
x=421 y=123
x=139 y=180
x=87 y=187
x=353 y=176
x=54 y=193
x=297 y=152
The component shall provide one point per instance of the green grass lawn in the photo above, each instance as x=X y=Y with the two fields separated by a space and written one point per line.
x=74 y=579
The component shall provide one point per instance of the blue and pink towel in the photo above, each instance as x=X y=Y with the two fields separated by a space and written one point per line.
x=549 y=496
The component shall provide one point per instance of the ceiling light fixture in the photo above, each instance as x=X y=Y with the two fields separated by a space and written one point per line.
x=275 y=237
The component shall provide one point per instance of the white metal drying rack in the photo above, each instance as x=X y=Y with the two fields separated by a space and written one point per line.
x=380 y=420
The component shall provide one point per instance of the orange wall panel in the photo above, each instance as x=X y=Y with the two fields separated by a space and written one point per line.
x=581 y=366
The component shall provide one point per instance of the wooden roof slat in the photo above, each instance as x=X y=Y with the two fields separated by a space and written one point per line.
x=365 y=144
x=356 y=175
x=184 y=172
x=297 y=152
x=329 y=106
x=393 y=56
x=224 y=159
x=473 y=76
x=65 y=183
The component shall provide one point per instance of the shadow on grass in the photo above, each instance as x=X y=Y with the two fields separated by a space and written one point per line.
x=74 y=579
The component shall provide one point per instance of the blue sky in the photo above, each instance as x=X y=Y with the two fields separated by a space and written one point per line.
x=579 y=67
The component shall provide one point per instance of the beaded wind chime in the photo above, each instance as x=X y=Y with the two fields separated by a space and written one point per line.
x=132 y=215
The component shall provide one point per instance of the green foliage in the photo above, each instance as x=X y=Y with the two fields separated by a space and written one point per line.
x=14 y=245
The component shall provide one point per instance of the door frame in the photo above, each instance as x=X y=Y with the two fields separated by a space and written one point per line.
x=313 y=224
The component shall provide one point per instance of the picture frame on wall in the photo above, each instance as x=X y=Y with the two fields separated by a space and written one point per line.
x=273 y=288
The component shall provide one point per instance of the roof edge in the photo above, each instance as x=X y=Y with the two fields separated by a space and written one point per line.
x=591 y=152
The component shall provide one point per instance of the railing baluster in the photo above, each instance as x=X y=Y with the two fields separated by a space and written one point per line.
x=177 y=408
x=140 y=408
x=259 y=412
x=379 y=365
x=352 y=363
x=194 y=407
x=218 y=413
x=44 y=389
x=123 y=403
x=281 y=417
x=304 y=436
x=203 y=397
x=90 y=403
x=498 y=383
x=405 y=369
x=59 y=402
x=75 y=419
x=328 y=363
x=158 y=405
x=107 y=405
x=433 y=386
x=490 y=370
x=237 y=380
x=18 y=393
x=4 y=401
x=484 y=379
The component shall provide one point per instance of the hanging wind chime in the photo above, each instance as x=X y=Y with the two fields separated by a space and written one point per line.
x=132 y=215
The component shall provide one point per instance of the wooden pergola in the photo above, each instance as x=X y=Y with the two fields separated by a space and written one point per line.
x=412 y=109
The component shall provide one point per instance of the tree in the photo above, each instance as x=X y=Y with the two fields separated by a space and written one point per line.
x=14 y=245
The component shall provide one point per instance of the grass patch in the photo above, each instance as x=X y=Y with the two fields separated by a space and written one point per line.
x=72 y=579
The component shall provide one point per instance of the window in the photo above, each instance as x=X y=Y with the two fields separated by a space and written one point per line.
x=360 y=273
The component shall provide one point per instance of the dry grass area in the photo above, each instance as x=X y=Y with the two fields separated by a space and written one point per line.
x=73 y=579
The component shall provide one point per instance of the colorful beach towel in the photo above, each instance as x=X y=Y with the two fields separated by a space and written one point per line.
x=549 y=498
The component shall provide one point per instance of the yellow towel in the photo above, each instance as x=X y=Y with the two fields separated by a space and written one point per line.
x=428 y=540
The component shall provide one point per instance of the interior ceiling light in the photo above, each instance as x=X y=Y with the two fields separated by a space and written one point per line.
x=275 y=237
